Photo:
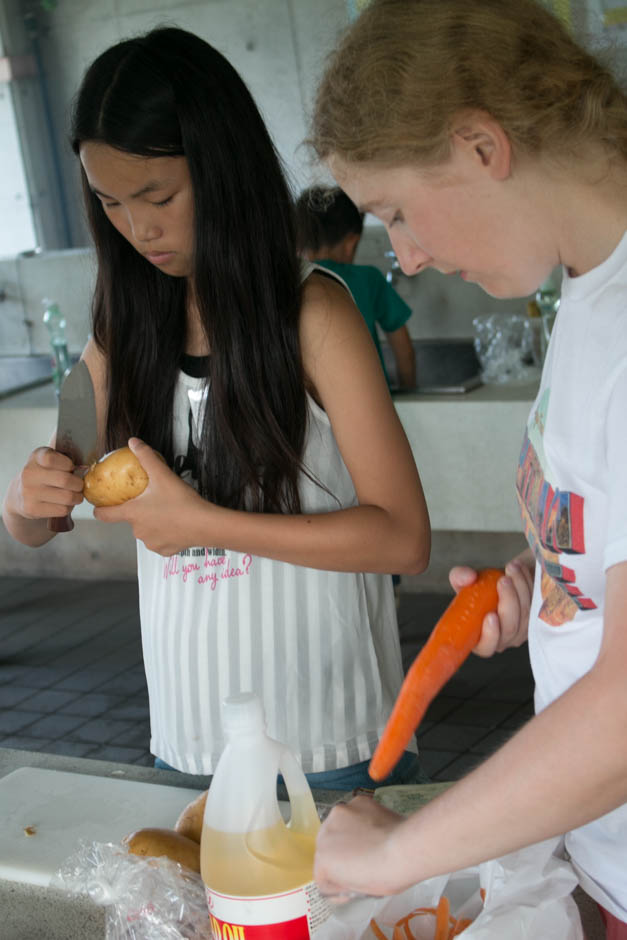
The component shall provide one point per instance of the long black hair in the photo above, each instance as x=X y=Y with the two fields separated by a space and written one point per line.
x=169 y=93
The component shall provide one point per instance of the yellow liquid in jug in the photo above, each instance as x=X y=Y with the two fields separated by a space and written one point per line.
x=264 y=861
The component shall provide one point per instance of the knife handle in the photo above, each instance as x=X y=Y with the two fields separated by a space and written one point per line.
x=61 y=524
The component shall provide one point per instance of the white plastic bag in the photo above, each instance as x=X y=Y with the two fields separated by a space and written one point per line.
x=528 y=896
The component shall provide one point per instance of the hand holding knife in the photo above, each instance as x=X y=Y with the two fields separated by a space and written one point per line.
x=77 y=430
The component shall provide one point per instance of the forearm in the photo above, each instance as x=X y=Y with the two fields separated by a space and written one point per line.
x=563 y=769
x=403 y=350
x=31 y=532
x=362 y=538
x=407 y=369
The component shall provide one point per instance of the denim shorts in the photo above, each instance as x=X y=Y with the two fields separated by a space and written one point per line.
x=408 y=770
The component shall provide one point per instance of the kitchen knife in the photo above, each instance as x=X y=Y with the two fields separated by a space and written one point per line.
x=77 y=434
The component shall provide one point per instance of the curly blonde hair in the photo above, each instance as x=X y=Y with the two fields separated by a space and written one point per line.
x=406 y=69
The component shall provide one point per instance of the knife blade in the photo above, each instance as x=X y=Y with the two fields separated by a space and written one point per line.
x=77 y=430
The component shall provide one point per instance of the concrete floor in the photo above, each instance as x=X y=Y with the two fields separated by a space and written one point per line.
x=72 y=680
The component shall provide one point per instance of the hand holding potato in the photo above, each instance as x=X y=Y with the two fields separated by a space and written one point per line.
x=168 y=515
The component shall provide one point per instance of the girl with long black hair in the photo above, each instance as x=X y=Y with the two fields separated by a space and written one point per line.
x=288 y=488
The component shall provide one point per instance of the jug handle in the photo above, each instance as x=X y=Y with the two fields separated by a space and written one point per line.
x=304 y=816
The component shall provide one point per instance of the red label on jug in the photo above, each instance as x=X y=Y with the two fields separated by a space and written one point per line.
x=290 y=930
x=292 y=915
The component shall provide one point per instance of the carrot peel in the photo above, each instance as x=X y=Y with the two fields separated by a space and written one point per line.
x=452 y=639
x=446 y=926
x=442 y=919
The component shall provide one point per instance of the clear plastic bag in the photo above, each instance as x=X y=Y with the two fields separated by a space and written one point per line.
x=528 y=895
x=507 y=347
x=145 y=898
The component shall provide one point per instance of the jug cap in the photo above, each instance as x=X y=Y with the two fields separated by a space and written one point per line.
x=243 y=712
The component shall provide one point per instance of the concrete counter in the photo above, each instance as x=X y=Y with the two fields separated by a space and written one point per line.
x=466 y=448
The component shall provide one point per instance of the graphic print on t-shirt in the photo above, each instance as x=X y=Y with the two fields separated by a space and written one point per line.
x=553 y=522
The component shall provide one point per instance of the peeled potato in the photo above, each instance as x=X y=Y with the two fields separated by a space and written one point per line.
x=189 y=822
x=114 y=478
x=154 y=843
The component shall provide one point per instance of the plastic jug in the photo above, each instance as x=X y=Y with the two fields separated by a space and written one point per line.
x=55 y=323
x=258 y=870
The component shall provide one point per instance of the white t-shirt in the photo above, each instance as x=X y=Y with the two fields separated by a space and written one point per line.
x=321 y=648
x=572 y=487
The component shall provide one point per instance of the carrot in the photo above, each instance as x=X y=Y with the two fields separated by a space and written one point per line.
x=461 y=925
x=446 y=926
x=442 y=923
x=404 y=933
x=377 y=930
x=451 y=641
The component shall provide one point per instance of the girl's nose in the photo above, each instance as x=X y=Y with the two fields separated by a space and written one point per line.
x=410 y=257
x=143 y=226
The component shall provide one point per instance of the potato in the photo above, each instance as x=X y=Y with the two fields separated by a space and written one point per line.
x=155 y=843
x=189 y=822
x=114 y=478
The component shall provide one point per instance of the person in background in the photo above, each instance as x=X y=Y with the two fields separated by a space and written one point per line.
x=329 y=228
x=288 y=486
x=496 y=146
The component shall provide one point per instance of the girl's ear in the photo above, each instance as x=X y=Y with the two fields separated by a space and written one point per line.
x=483 y=139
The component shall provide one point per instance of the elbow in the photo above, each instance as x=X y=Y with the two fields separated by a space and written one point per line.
x=417 y=552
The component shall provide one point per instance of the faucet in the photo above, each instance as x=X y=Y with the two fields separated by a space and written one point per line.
x=392 y=273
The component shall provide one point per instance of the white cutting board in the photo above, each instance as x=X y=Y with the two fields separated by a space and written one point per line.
x=65 y=808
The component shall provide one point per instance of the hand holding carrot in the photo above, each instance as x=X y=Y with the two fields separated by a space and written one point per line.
x=506 y=626
x=453 y=638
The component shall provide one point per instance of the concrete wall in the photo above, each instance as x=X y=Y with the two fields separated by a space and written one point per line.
x=14 y=202
x=64 y=276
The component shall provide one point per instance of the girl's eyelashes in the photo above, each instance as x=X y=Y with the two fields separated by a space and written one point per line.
x=112 y=205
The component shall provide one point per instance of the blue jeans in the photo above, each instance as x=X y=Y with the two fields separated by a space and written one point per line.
x=408 y=770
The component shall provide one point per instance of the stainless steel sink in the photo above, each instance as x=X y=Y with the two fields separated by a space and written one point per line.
x=443 y=366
